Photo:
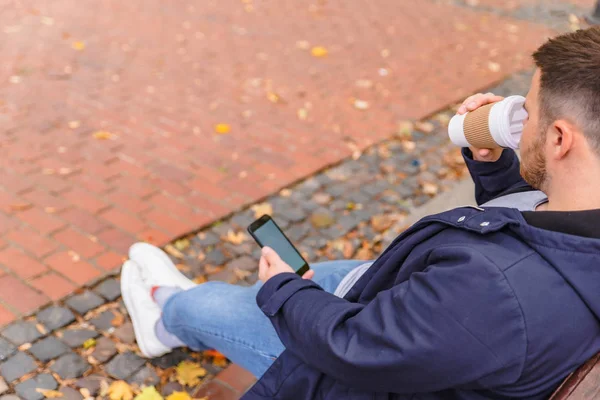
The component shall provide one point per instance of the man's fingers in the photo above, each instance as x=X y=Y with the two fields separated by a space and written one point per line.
x=270 y=255
x=263 y=267
x=477 y=100
x=308 y=274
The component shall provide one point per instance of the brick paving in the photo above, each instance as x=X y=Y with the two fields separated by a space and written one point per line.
x=108 y=112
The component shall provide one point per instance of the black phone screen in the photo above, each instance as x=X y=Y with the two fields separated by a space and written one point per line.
x=270 y=235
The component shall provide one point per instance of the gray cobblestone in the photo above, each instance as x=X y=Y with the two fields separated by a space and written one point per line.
x=124 y=365
x=76 y=337
x=55 y=317
x=17 y=366
x=22 y=332
x=48 y=349
x=70 y=366
x=84 y=302
x=110 y=289
x=27 y=389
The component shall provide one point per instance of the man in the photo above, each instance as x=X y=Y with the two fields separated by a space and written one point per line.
x=499 y=302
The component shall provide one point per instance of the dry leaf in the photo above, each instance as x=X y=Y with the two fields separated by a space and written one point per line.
x=321 y=220
x=380 y=223
x=430 y=189
x=74 y=124
x=274 y=98
x=179 y=396
x=20 y=206
x=222 y=129
x=189 y=373
x=170 y=249
x=285 y=192
x=235 y=238
x=149 y=393
x=262 y=209
x=302 y=114
x=405 y=129
x=78 y=45
x=74 y=256
x=200 y=279
x=25 y=346
x=319 y=51
x=41 y=329
x=102 y=135
x=85 y=393
x=182 y=244
x=361 y=104
x=494 y=67
x=424 y=126
x=89 y=343
x=50 y=394
x=183 y=268
x=118 y=320
x=218 y=359
x=120 y=390
x=409 y=146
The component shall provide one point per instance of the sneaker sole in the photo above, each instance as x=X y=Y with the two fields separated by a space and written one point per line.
x=125 y=285
x=180 y=280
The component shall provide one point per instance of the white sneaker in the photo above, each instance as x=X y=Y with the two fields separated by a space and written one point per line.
x=144 y=312
x=158 y=268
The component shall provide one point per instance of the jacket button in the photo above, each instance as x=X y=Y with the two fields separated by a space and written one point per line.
x=461 y=219
x=484 y=223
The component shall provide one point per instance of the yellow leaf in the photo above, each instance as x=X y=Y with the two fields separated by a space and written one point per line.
x=319 y=51
x=235 y=238
x=173 y=251
x=189 y=373
x=149 y=393
x=262 y=209
x=50 y=394
x=102 y=135
x=120 y=390
x=182 y=244
x=78 y=45
x=222 y=129
x=179 y=396
x=89 y=343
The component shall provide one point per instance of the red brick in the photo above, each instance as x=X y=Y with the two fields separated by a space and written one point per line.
x=128 y=202
x=116 y=240
x=19 y=296
x=9 y=200
x=52 y=285
x=15 y=183
x=110 y=260
x=8 y=222
x=167 y=223
x=20 y=263
x=44 y=200
x=81 y=244
x=237 y=377
x=84 y=220
x=32 y=241
x=41 y=221
x=6 y=317
x=124 y=221
x=91 y=183
x=213 y=207
x=155 y=237
x=71 y=266
x=84 y=200
x=171 y=187
x=135 y=187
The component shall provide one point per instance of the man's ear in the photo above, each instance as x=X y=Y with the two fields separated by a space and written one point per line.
x=561 y=137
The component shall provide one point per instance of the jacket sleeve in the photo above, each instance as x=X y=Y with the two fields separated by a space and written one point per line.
x=442 y=328
x=492 y=179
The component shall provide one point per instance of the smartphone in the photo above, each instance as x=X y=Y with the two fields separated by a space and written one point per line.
x=266 y=233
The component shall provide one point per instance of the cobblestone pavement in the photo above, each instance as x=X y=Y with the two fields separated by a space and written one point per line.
x=81 y=345
x=128 y=120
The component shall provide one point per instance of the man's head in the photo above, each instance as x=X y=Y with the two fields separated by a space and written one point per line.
x=563 y=128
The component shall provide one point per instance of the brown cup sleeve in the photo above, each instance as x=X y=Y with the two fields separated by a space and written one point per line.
x=477 y=129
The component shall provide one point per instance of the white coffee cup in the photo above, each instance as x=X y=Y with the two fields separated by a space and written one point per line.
x=491 y=126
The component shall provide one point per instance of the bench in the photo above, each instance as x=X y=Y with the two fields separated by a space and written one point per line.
x=583 y=384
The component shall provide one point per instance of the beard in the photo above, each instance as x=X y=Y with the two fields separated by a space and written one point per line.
x=533 y=165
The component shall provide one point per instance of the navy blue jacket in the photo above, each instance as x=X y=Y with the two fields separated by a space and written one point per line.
x=467 y=304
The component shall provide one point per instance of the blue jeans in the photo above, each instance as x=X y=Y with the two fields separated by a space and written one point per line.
x=225 y=317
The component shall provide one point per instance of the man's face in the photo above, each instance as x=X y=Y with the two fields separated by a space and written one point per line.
x=533 y=158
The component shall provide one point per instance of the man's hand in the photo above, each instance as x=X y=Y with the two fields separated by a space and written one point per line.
x=271 y=264
x=473 y=103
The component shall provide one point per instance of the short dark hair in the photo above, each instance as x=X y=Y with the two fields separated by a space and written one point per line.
x=570 y=81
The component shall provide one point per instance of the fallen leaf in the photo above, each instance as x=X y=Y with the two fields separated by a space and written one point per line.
x=74 y=124
x=408 y=146
x=274 y=98
x=183 y=268
x=493 y=66
x=380 y=223
x=429 y=188
x=424 y=126
x=321 y=220
x=218 y=359
x=78 y=45
x=120 y=390
x=262 y=209
x=285 y=192
x=74 y=256
x=41 y=329
x=170 y=249
x=189 y=373
x=89 y=343
x=25 y=347
x=85 y=393
x=361 y=104
x=20 y=206
x=102 y=135
x=222 y=129
x=319 y=51
x=149 y=393
x=405 y=129
x=302 y=114
x=235 y=238
x=179 y=396
x=50 y=394
x=182 y=244
x=200 y=279
x=118 y=320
